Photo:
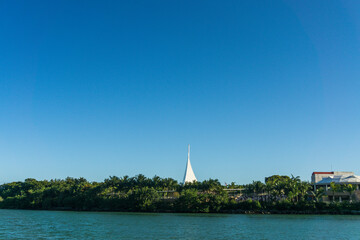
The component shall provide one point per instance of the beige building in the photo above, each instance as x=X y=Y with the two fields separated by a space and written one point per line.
x=324 y=179
x=318 y=176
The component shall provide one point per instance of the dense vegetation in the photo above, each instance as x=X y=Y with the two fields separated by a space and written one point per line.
x=279 y=194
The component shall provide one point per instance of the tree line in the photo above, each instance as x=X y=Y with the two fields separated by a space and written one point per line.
x=279 y=194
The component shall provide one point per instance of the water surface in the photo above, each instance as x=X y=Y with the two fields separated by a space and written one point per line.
x=27 y=224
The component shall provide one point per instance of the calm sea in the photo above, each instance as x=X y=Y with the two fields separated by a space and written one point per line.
x=24 y=224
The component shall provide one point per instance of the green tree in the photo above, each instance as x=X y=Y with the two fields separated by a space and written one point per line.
x=189 y=201
x=144 y=198
x=350 y=189
x=317 y=194
x=334 y=188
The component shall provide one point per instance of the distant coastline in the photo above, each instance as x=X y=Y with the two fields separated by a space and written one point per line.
x=278 y=195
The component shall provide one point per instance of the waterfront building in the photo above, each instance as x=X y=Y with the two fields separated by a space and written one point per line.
x=318 y=176
x=189 y=175
x=324 y=180
x=340 y=179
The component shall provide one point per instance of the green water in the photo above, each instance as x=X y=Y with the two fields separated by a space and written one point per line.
x=23 y=224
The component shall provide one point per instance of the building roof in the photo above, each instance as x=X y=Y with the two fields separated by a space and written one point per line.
x=323 y=173
x=340 y=179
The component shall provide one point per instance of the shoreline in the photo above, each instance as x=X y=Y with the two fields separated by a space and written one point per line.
x=279 y=195
x=230 y=212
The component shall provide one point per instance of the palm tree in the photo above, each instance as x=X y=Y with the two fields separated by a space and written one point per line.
x=292 y=195
x=334 y=188
x=295 y=179
x=317 y=194
x=112 y=181
x=258 y=187
x=278 y=187
x=156 y=181
x=169 y=183
x=350 y=189
x=303 y=189
x=232 y=185
x=140 y=180
x=211 y=185
x=268 y=188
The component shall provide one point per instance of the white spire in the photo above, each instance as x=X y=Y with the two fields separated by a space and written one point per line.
x=189 y=176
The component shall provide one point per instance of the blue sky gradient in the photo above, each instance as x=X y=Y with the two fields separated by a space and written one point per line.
x=98 y=88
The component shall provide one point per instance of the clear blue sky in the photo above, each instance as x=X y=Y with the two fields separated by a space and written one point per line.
x=98 y=88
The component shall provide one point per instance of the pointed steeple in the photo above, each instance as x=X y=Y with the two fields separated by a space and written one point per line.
x=189 y=176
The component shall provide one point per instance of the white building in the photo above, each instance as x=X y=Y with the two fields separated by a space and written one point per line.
x=323 y=179
x=318 y=176
x=189 y=175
